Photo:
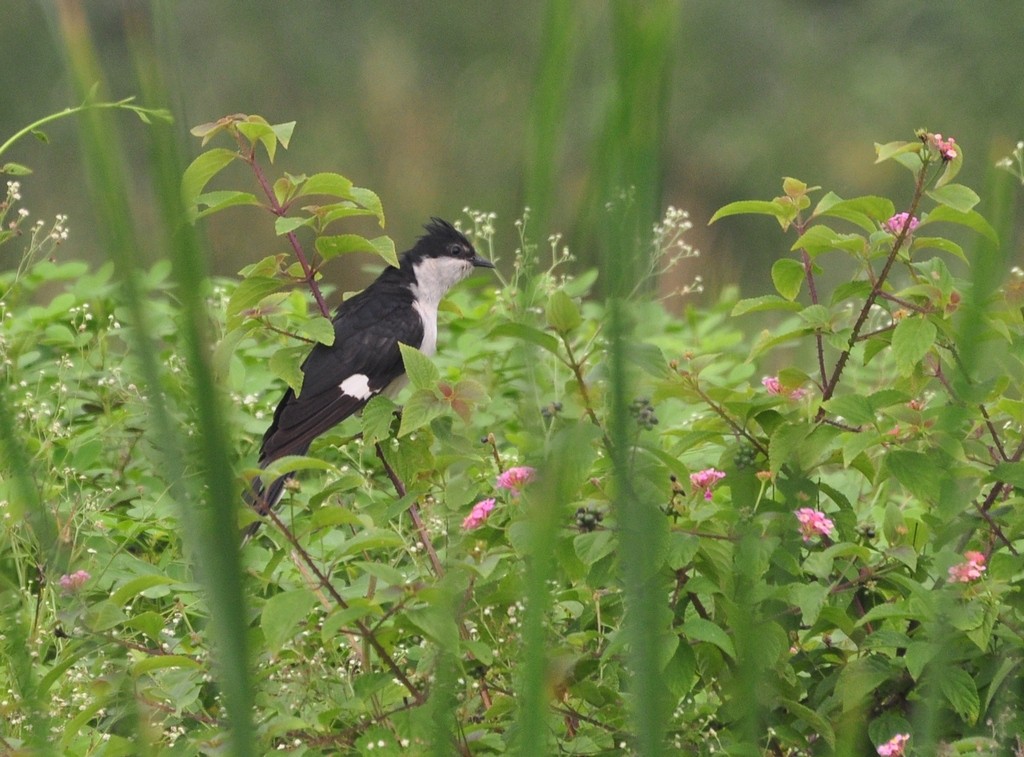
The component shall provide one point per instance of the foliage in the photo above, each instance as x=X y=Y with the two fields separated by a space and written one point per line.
x=451 y=577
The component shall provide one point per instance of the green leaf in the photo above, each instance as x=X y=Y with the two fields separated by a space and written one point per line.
x=919 y=473
x=369 y=200
x=161 y=662
x=765 y=302
x=788 y=276
x=377 y=418
x=971 y=219
x=912 y=338
x=866 y=212
x=218 y=201
x=283 y=132
x=422 y=372
x=820 y=238
x=286 y=364
x=859 y=679
x=282 y=466
x=890 y=150
x=591 y=547
x=287 y=224
x=247 y=295
x=785 y=442
x=956 y=196
x=853 y=408
x=283 y=616
x=201 y=170
x=951 y=169
x=15 y=169
x=961 y=692
x=333 y=184
x=136 y=586
x=562 y=313
x=318 y=328
x=819 y=724
x=756 y=207
x=699 y=629
x=332 y=246
x=1011 y=473
x=939 y=243
x=527 y=334
x=423 y=406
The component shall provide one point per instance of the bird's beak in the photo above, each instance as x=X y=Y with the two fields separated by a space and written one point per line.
x=481 y=262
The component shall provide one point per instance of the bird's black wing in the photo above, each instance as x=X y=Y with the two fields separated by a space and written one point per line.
x=367 y=331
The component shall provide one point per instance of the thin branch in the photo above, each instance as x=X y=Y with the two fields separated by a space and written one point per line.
x=414 y=513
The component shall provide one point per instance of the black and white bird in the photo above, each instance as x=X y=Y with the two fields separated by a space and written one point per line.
x=365 y=360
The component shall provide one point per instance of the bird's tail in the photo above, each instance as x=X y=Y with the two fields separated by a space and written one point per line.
x=263 y=500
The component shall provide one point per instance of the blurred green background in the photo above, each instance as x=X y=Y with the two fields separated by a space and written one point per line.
x=431 y=104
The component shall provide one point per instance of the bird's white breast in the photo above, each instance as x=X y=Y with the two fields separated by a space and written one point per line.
x=434 y=277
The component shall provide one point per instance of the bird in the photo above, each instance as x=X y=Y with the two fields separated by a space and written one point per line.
x=399 y=307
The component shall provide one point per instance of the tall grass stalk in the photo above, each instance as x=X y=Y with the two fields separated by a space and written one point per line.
x=211 y=533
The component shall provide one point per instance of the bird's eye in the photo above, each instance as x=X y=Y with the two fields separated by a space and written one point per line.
x=456 y=250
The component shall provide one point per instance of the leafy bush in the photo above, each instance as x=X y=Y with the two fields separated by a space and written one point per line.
x=591 y=528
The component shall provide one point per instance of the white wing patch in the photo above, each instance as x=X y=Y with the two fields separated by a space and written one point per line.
x=358 y=386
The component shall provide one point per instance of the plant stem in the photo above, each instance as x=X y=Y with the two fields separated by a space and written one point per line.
x=309 y=275
x=829 y=389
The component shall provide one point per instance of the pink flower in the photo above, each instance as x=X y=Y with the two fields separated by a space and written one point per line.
x=971 y=570
x=895 y=224
x=946 y=147
x=813 y=522
x=705 y=479
x=514 y=478
x=73 y=582
x=478 y=514
x=774 y=386
x=894 y=746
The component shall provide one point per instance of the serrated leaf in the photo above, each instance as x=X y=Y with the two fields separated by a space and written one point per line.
x=286 y=364
x=591 y=547
x=422 y=407
x=377 y=418
x=422 y=372
x=318 y=328
x=699 y=629
x=855 y=409
x=1011 y=473
x=919 y=473
x=340 y=244
x=283 y=616
x=287 y=224
x=956 y=196
x=785 y=441
x=201 y=170
x=333 y=184
x=369 y=200
x=788 y=276
x=912 y=338
x=527 y=334
x=961 y=692
x=755 y=207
